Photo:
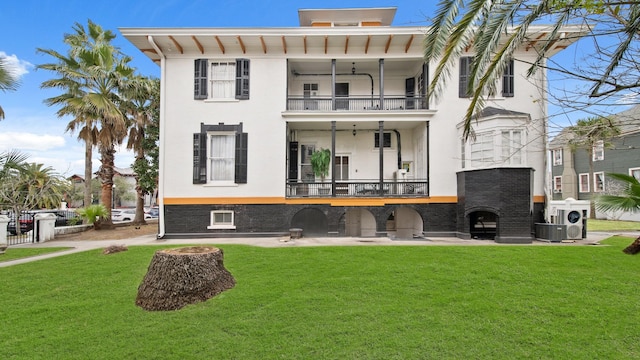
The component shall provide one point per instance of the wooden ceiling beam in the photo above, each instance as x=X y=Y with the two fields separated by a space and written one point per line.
x=386 y=47
x=220 y=44
x=366 y=46
x=244 y=50
x=346 y=44
x=304 y=42
x=284 y=44
x=406 y=47
x=177 y=44
x=264 y=46
x=200 y=47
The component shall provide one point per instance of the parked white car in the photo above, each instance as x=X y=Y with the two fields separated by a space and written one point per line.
x=123 y=214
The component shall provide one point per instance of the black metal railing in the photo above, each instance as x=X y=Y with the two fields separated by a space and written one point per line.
x=360 y=188
x=396 y=103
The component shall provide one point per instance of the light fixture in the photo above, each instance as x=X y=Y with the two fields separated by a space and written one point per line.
x=353 y=70
x=354 y=130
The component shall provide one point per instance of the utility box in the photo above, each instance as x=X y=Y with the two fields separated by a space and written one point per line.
x=572 y=213
x=551 y=232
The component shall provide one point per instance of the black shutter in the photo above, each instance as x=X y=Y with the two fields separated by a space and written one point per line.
x=200 y=79
x=425 y=84
x=242 y=79
x=409 y=92
x=465 y=65
x=199 y=158
x=508 y=80
x=293 y=162
x=241 y=158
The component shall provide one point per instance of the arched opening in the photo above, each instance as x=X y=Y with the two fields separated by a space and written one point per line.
x=408 y=223
x=311 y=221
x=360 y=222
x=483 y=225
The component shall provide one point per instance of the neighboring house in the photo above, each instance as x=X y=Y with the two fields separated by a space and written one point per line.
x=243 y=109
x=570 y=175
x=125 y=198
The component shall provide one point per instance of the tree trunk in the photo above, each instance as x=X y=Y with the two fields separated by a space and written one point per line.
x=634 y=248
x=592 y=203
x=179 y=277
x=106 y=180
x=88 y=168
x=139 y=219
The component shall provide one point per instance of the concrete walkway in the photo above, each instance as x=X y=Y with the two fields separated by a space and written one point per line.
x=85 y=245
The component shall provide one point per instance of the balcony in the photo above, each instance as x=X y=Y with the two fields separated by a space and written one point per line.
x=356 y=103
x=360 y=188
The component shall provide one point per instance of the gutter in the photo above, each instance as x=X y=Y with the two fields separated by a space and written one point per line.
x=161 y=139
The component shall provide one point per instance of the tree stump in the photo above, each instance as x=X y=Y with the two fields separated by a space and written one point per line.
x=182 y=276
x=634 y=248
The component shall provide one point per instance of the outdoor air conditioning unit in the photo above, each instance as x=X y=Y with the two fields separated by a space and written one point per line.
x=573 y=220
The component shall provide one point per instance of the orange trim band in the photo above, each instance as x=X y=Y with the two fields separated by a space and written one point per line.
x=298 y=201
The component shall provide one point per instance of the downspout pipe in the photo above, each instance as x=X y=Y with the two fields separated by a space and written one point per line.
x=162 y=139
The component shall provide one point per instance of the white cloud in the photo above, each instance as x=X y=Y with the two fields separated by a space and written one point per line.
x=29 y=141
x=16 y=66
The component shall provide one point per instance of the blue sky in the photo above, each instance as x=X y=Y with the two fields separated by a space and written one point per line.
x=33 y=128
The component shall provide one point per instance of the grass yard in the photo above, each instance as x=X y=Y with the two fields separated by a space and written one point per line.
x=13 y=253
x=612 y=225
x=419 y=302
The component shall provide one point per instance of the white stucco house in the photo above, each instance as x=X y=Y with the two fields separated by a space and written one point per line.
x=243 y=110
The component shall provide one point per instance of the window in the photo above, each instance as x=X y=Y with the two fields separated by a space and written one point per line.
x=482 y=150
x=386 y=140
x=508 y=80
x=598 y=182
x=310 y=91
x=512 y=144
x=635 y=172
x=221 y=79
x=220 y=154
x=598 y=151
x=465 y=71
x=341 y=170
x=557 y=184
x=222 y=219
x=557 y=157
x=584 y=183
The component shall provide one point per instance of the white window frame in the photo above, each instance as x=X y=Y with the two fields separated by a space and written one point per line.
x=556 y=155
x=227 y=79
x=598 y=151
x=598 y=177
x=512 y=152
x=211 y=158
x=227 y=225
x=557 y=184
x=482 y=150
x=584 y=187
x=635 y=172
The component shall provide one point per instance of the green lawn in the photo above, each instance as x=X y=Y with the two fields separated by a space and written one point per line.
x=366 y=302
x=612 y=225
x=13 y=253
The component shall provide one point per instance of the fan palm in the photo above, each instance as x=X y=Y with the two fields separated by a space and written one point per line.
x=92 y=74
x=140 y=93
x=8 y=81
x=627 y=200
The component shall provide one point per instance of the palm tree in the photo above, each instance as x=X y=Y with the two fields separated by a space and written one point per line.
x=488 y=27
x=587 y=134
x=92 y=74
x=8 y=81
x=140 y=93
x=627 y=200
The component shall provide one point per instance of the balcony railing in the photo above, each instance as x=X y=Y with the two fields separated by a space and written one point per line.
x=397 y=103
x=361 y=188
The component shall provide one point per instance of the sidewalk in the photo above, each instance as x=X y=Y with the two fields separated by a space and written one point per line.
x=272 y=242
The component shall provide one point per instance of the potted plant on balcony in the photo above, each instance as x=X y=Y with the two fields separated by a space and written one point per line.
x=320 y=162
